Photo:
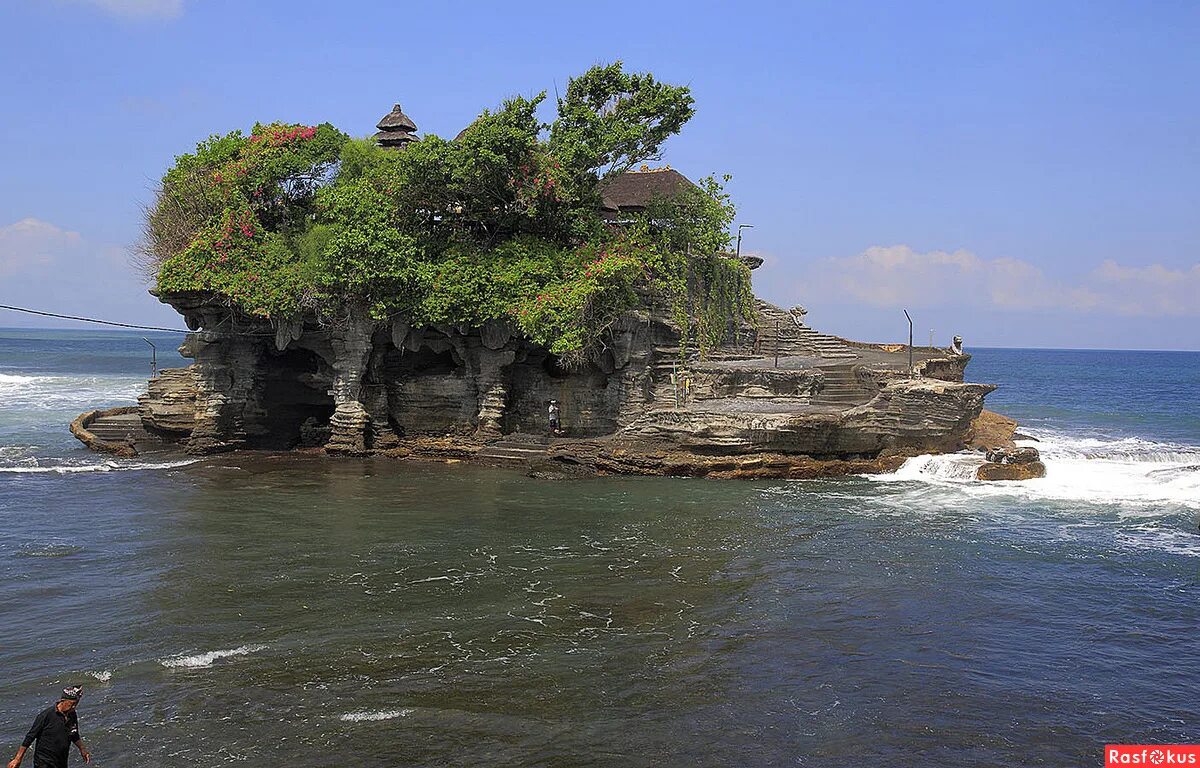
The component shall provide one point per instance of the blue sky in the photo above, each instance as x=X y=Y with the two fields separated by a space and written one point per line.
x=1025 y=174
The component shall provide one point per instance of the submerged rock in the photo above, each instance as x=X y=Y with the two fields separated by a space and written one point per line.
x=1012 y=464
x=1013 y=455
x=1026 y=471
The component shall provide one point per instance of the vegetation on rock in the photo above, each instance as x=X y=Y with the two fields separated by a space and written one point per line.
x=502 y=223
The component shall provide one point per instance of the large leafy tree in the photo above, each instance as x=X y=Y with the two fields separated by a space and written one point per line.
x=611 y=120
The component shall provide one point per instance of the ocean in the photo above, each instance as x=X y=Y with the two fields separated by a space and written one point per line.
x=284 y=610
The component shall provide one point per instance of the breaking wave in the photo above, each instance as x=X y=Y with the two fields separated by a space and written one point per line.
x=1127 y=471
x=58 y=393
x=206 y=659
x=107 y=466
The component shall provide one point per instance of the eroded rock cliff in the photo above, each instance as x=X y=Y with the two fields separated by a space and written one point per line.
x=777 y=400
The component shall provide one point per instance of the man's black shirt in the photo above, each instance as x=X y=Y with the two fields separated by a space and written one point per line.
x=54 y=732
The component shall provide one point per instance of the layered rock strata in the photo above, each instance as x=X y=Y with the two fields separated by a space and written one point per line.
x=777 y=400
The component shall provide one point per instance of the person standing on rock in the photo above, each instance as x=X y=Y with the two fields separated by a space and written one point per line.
x=555 y=424
x=54 y=730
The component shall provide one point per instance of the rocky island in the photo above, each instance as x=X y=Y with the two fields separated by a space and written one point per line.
x=428 y=298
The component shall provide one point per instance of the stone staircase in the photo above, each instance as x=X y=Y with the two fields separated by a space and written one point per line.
x=517 y=448
x=794 y=338
x=842 y=388
x=124 y=428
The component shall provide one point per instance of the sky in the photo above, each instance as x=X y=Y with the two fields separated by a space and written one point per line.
x=1025 y=174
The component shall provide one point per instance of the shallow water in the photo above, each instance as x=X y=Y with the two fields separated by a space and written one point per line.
x=289 y=610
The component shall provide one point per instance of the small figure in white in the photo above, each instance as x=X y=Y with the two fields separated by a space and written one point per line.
x=555 y=423
x=956 y=347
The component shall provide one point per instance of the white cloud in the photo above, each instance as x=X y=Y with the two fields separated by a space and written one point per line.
x=46 y=267
x=32 y=244
x=139 y=9
x=897 y=276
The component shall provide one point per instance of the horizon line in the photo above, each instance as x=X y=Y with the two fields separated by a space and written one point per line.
x=134 y=331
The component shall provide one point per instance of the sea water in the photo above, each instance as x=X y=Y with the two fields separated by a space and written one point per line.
x=283 y=610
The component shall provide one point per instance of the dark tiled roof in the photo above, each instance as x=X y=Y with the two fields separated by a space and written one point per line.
x=393 y=138
x=633 y=190
x=396 y=120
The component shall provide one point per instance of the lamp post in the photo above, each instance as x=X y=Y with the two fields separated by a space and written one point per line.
x=909 y=342
x=739 y=242
x=153 y=358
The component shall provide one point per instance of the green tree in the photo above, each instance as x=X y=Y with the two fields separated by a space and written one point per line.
x=611 y=120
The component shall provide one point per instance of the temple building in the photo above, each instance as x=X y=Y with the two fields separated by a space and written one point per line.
x=626 y=195
x=395 y=129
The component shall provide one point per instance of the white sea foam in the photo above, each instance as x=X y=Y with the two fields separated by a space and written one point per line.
x=52 y=549
x=103 y=675
x=56 y=393
x=372 y=716
x=206 y=659
x=107 y=466
x=1132 y=472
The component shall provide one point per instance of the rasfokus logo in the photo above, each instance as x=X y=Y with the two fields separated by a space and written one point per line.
x=1151 y=754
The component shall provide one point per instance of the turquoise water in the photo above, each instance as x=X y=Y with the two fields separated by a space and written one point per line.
x=272 y=609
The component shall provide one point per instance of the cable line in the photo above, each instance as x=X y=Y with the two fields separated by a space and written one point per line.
x=92 y=320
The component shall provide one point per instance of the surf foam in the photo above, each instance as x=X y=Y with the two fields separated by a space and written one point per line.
x=372 y=716
x=108 y=466
x=208 y=658
x=57 y=393
x=1127 y=471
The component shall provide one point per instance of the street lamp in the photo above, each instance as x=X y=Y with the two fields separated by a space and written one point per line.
x=739 y=244
x=153 y=358
x=910 y=327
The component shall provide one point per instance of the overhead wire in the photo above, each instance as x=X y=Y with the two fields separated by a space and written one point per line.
x=59 y=315
x=91 y=319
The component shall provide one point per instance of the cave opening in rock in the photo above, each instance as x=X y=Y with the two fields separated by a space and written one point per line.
x=553 y=367
x=296 y=402
x=588 y=406
x=429 y=362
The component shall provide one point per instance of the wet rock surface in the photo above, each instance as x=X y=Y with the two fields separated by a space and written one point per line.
x=1011 y=463
x=1026 y=471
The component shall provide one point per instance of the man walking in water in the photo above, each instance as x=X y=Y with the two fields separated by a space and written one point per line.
x=55 y=729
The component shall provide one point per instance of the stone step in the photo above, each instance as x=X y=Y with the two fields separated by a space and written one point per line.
x=524 y=439
x=116 y=428
x=114 y=435
x=511 y=453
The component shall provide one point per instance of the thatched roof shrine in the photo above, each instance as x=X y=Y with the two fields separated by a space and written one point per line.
x=632 y=191
x=395 y=129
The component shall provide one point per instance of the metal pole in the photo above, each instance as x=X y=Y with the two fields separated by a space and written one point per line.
x=910 y=327
x=153 y=358
x=738 y=254
x=675 y=384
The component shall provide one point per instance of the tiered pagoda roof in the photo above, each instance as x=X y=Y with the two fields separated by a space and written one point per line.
x=395 y=129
